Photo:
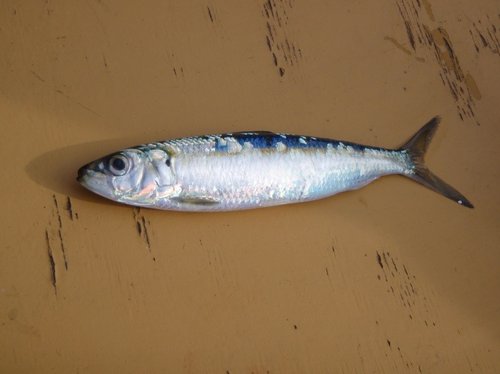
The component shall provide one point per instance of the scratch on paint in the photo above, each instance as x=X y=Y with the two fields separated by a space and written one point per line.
x=52 y=264
x=211 y=14
x=57 y=210
x=379 y=260
x=176 y=68
x=142 y=227
x=485 y=35
x=283 y=51
x=433 y=40
x=402 y=285
x=146 y=234
x=60 y=92
x=69 y=208
x=59 y=232
x=401 y=47
x=37 y=76
x=54 y=236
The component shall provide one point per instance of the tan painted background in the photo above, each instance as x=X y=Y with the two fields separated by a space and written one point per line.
x=390 y=278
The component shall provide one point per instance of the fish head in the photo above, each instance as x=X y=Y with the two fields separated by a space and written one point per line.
x=136 y=176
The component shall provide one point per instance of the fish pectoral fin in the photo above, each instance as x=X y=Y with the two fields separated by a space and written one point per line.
x=196 y=199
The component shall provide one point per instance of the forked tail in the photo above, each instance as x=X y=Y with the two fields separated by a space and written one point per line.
x=416 y=148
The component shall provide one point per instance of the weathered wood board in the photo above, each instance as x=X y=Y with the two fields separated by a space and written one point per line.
x=392 y=278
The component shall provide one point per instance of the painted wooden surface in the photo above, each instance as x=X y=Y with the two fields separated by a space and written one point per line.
x=390 y=278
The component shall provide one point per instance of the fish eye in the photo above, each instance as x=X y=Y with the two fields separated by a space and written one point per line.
x=118 y=165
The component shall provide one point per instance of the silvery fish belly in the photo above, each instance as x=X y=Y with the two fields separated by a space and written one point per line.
x=253 y=169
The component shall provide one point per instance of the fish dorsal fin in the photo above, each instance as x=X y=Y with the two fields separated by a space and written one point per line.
x=257 y=133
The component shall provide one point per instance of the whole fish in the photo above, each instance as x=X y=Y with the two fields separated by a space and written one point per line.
x=246 y=170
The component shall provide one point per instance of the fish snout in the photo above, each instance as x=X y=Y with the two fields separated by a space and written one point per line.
x=81 y=173
x=87 y=171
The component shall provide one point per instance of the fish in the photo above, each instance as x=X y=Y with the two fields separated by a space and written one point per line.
x=254 y=169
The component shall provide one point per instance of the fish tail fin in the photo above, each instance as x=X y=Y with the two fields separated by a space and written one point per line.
x=416 y=148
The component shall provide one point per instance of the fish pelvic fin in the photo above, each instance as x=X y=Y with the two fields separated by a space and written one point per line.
x=416 y=147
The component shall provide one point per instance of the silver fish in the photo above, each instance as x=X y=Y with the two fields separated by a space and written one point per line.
x=248 y=170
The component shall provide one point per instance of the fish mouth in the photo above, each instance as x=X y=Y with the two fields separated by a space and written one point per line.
x=82 y=172
x=86 y=171
x=90 y=177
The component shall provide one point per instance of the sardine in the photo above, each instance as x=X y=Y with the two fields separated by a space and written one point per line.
x=246 y=170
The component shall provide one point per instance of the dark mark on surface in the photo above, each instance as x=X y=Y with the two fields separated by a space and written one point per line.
x=401 y=284
x=379 y=261
x=488 y=35
x=270 y=31
x=406 y=272
x=77 y=102
x=411 y=38
x=268 y=42
x=62 y=249
x=57 y=210
x=432 y=40
x=401 y=47
x=37 y=76
x=283 y=51
x=59 y=230
x=212 y=16
x=146 y=234
x=176 y=69
x=52 y=263
x=69 y=208
x=483 y=39
x=141 y=225
x=394 y=264
x=389 y=343
x=384 y=257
